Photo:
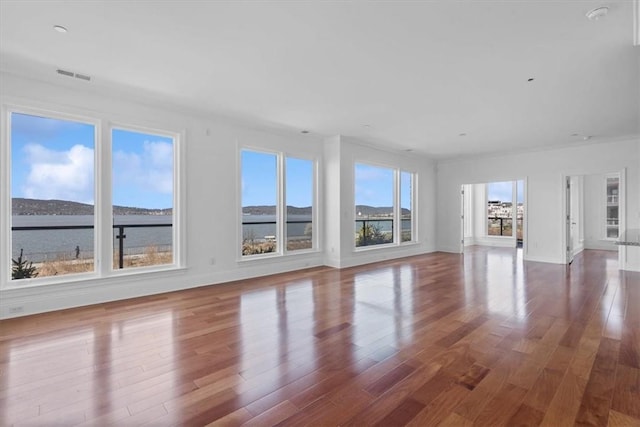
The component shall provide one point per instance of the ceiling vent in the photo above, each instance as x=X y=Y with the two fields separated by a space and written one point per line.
x=72 y=74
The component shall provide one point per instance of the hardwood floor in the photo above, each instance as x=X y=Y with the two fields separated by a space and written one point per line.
x=439 y=339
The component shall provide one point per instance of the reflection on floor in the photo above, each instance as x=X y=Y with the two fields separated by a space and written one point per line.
x=482 y=338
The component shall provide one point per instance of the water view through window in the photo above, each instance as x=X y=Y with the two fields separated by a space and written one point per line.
x=299 y=189
x=142 y=176
x=53 y=182
x=52 y=196
x=259 y=202
x=263 y=209
x=374 y=197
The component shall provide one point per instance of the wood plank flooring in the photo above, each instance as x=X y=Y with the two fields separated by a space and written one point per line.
x=441 y=339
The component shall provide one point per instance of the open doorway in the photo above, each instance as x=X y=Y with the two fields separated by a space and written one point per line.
x=493 y=214
x=594 y=212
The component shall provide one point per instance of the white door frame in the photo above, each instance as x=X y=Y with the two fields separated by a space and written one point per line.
x=621 y=216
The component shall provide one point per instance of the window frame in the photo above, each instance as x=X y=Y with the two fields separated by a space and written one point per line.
x=177 y=234
x=397 y=208
x=314 y=203
x=102 y=175
x=412 y=195
x=281 y=234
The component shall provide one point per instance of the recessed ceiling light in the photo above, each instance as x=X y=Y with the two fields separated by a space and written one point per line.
x=60 y=29
x=597 y=13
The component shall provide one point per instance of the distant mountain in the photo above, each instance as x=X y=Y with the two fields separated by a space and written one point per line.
x=22 y=206
x=363 y=210
x=271 y=210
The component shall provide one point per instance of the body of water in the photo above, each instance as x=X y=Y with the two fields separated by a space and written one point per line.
x=42 y=245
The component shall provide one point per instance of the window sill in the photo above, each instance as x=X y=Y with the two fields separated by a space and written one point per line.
x=278 y=256
x=90 y=279
x=384 y=246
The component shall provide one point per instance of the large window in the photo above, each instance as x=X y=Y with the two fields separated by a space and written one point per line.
x=52 y=196
x=259 y=203
x=277 y=203
x=382 y=196
x=143 y=192
x=613 y=205
x=59 y=169
x=299 y=188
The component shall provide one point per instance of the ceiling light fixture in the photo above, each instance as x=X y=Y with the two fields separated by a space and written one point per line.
x=597 y=13
x=60 y=29
x=304 y=131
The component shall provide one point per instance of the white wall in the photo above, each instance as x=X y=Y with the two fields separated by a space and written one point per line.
x=544 y=172
x=212 y=196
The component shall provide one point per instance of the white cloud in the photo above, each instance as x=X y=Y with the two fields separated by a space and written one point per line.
x=150 y=170
x=65 y=175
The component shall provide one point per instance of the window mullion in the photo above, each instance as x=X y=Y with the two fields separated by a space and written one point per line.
x=103 y=218
x=281 y=208
x=396 y=208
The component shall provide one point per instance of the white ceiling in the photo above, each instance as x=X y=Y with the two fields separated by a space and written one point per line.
x=404 y=74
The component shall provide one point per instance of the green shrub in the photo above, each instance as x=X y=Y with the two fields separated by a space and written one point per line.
x=23 y=269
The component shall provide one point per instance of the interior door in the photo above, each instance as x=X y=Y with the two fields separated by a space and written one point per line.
x=569 y=226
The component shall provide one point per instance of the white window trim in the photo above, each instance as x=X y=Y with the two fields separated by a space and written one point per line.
x=102 y=197
x=397 y=208
x=414 y=209
x=281 y=234
x=177 y=230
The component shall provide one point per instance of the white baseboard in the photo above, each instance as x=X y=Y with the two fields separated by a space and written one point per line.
x=549 y=260
x=601 y=245
x=578 y=249
x=498 y=242
x=449 y=249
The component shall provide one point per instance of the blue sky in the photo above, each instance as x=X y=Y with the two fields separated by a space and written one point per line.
x=374 y=186
x=503 y=191
x=54 y=159
x=259 y=180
